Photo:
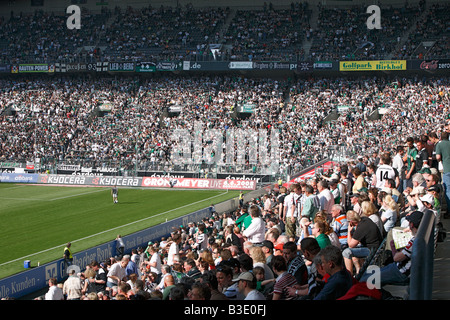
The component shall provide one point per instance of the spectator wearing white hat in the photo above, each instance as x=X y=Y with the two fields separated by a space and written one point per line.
x=426 y=205
x=247 y=286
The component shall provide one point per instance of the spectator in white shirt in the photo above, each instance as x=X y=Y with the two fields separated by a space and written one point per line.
x=326 y=198
x=257 y=228
x=173 y=249
x=54 y=292
x=397 y=164
x=117 y=272
x=291 y=209
x=155 y=260
x=267 y=202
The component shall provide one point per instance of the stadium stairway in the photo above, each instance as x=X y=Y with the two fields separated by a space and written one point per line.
x=313 y=20
x=223 y=30
x=374 y=115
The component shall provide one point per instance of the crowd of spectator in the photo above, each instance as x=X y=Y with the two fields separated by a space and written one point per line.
x=299 y=242
x=260 y=34
x=433 y=27
x=269 y=34
x=165 y=33
x=342 y=34
x=58 y=119
x=413 y=108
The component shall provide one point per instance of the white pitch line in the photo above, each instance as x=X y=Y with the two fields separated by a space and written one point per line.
x=20 y=199
x=54 y=199
x=93 y=235
x=15 y=187
x=76 y=195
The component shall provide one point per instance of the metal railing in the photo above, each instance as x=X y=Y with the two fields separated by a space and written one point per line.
x=422 y=259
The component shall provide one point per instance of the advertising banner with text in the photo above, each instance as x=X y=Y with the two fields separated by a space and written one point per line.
x=18 y=177
x=157 y=182
x=82 y=180
x=297 y=66
x=205 y=65
x=33 y=68
x=193 y=183
x=376 y=65
x=430 y=65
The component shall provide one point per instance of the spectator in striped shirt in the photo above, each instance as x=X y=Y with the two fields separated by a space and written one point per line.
x=340 y=224
x=283 y=281
x=201 y=241
x=295 y=263
x=310 y=249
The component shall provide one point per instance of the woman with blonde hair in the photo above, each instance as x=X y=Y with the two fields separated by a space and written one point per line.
x=389 y=212
x=370 y=210
x=373 y=196
x=206 y=256
x=259 y=260
x=92 y=296
x=89 y=282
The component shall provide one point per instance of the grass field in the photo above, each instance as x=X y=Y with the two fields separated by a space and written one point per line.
x=37 y=221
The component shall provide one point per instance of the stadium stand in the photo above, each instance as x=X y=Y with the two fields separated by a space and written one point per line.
x=341 y=34
x=58 y=121
x=125 y=120
x=429 y=38
x=270 y=33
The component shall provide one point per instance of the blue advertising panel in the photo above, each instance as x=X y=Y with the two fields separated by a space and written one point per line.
x=19 y=177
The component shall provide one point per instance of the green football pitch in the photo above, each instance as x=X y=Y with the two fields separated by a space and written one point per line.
x=37 y=221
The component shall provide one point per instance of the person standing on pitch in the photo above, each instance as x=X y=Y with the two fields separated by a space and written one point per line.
x=67 y=255
x=115 y=193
